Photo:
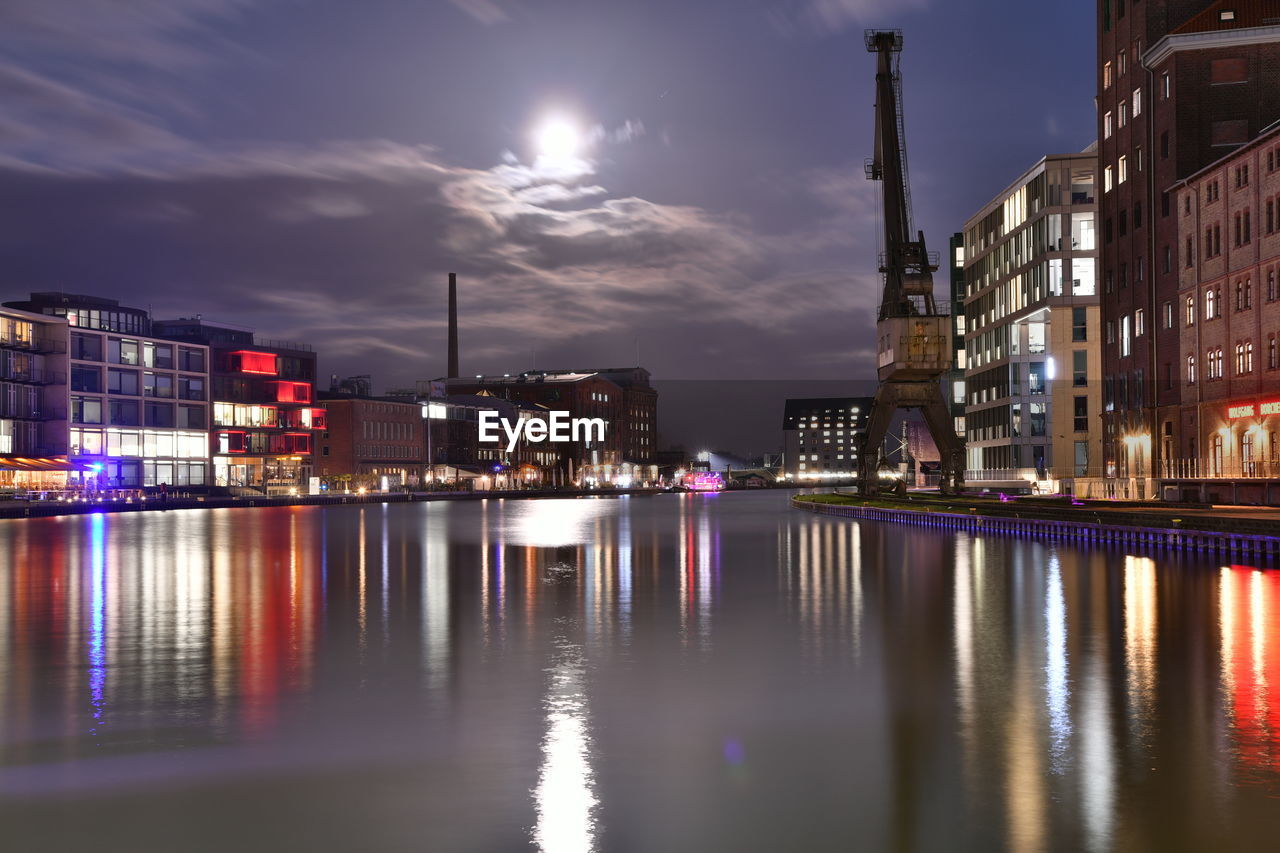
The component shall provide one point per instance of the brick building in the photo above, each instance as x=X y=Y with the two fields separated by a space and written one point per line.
x=623 y=397
x=1180 y=84
x=1228 y=320
x=368 y=438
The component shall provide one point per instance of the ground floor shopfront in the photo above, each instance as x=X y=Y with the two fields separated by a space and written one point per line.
x=271 y=474
x=1231 y=453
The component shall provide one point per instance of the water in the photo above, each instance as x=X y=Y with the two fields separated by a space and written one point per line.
x=668 y=673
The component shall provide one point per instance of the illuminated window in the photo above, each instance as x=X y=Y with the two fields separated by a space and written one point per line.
x=262 y=363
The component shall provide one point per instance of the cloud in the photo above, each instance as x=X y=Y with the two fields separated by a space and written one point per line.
x=487 y=12
x=137 y=32
x=348 y=245
x=791 y=17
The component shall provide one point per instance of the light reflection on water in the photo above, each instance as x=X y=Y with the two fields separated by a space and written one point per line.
x=681 y=672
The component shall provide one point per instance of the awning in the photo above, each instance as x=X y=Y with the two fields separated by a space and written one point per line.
x=40 y=463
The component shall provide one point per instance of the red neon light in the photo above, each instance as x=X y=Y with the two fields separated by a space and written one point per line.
x=262 y=363
x=319 y=418
x=235 y=440
x=293 y=392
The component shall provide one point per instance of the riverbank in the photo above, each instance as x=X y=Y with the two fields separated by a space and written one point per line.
x=1244 y=531
x=45 y=509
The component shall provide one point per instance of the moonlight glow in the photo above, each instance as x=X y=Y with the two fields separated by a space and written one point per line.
x=558 y=138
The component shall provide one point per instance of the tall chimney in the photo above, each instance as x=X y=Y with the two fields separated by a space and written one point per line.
x=453 y=326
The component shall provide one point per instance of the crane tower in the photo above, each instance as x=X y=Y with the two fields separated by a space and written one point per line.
x=913 y=332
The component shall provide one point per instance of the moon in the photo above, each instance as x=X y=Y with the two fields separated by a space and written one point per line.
x=558 y=138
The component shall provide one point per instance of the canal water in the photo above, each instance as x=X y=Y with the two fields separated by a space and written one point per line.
x=669 y=673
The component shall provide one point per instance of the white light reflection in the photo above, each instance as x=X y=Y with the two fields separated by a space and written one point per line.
x=435 y=596
x=1140 y=638
x=1057 y=691
x=564 y=798
x=555 y=523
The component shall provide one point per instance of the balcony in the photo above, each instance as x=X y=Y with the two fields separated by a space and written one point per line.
x=36 y=345
x=33 y=377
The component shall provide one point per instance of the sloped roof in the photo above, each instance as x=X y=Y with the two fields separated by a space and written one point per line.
x=1245 y=13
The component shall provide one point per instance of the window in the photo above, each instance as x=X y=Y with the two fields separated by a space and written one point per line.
x=1139 y=322
x=1079 y=368
x=157 y=355
x=191 y=417
x=1168 y=315
x=1125 y=335
x=1167 y=266
x=120 y=351
x=1122 y=64
x=122 y=381
x=1191 y=310
x=159 y=414
x=1137 y=102
x=190 y=388
x=1106 y=179
x=1080 y=418
x=191 y=360
x=1079 y=325
x=1122 y=114
x=1166 y=85
x=1271 y=285
x=1106 y=125
x=1211 y=303
x=124 y=413
x=1213 y=367
x=86 y=379
x=1106 y=75
x=1242 y=176
x=1191 y=370
x=1122 y=170
x=157 y=384
x=86 y=347
x=86 y=410
x=1190 y=251
x=1244 y=357
x=1271 y=352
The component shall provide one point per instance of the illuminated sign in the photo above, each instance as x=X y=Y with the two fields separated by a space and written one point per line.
x=1249 y=410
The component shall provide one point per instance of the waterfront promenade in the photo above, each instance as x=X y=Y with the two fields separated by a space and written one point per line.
x=45 y=509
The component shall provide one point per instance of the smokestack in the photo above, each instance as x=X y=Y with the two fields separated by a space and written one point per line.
x=453 y=326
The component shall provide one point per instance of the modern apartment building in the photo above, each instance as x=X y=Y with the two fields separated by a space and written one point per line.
x=821 y=435
x=264 y=415
x=1032 y=367
x=33 y=400
x=1180 y=84
x=136 y=404
x=1226 y=443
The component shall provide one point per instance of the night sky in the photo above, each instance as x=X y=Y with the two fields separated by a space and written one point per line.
x=314 y=169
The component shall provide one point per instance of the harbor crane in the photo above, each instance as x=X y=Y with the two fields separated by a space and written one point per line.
x=913 y=332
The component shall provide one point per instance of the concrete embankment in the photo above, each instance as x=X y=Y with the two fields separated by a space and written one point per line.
x=43 y=509
x=1225 y=534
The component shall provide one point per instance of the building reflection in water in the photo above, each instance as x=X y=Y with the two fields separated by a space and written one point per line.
x=1030 y=689
x=1250 y=665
